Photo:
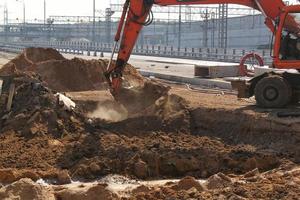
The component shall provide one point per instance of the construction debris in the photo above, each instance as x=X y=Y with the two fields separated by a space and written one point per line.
x=66 y=102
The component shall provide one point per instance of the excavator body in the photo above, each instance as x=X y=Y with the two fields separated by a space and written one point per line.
x=271 y=89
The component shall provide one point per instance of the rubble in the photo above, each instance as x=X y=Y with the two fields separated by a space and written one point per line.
x=66 y=102
x=63 y=177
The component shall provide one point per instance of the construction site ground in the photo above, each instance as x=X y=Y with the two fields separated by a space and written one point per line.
x=174 y=141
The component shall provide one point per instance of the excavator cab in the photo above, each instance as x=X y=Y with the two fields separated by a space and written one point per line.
x=290 y=47
x=287 y=39
x=280 y=86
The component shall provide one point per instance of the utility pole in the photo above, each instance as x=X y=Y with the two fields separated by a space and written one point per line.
x=223 y=25
x=45 y=10
x=108 y=24
x=179 y=28
x=24 y=11
x=5 y=21
x=94 y=21
x=213 y=21
x=5 y=14
x=167 y=34
x=205 y=29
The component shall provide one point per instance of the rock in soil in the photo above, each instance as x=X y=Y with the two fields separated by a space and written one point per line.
x=63 y=177
x=188 y=183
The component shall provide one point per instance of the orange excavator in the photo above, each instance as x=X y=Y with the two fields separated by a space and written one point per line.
x=275 y=88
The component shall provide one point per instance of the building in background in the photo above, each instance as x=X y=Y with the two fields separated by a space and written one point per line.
x=216 y=26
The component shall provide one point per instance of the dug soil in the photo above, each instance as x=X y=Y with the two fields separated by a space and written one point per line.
x=172 y=132
x=65 y=75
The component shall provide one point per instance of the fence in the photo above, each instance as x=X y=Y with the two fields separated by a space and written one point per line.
x=210 y=54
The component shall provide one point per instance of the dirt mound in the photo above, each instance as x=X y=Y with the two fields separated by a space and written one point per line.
x=36 y=120
x=26 y=189
x=73 y=75
x=36 y=111
x=188 y=183
x=32 y=56
x=37 y=55
x=11 y=175
x=80 y=75
x=65 y=75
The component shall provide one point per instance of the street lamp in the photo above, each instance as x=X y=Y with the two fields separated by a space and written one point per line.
x=5 y=14
x=179 y=28
x=24 y=10
x=94 y=21
x=45 y=11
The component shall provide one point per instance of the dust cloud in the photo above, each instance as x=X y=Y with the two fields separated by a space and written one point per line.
x=109 y=111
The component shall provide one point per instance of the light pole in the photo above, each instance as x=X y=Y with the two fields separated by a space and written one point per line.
x=94 y=20
x=179 y=28
x=24 y=10
x=45 y=12
x=5 y=14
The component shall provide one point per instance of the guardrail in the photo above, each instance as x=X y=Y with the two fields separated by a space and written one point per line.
x=210 y=54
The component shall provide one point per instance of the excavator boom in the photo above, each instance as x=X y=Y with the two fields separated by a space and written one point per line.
x=135 y=16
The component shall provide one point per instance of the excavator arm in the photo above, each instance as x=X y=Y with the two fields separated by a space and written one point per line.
x=135 y=16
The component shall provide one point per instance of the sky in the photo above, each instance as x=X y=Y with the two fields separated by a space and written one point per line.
x=35 y=8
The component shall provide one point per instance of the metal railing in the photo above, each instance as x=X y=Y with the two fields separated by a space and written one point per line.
x=95 y=49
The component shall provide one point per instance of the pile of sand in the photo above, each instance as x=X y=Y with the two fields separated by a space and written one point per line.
x=81 y=75
x=32 y=56
x=66 y=75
